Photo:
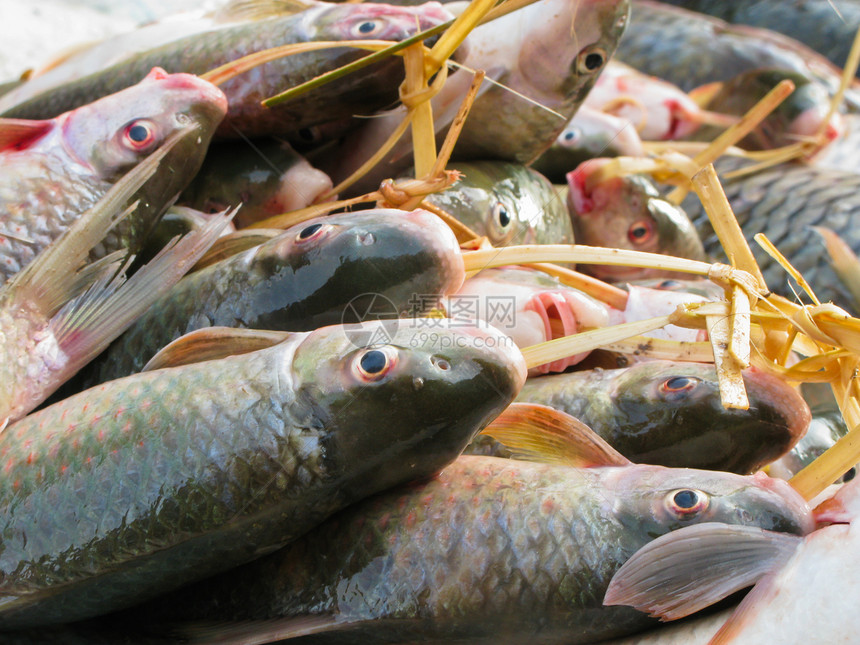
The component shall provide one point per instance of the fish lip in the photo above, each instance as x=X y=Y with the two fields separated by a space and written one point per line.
x=790 y=496
x=541 y=303
x=783 y=398
x=488 y=336
x=580 y=197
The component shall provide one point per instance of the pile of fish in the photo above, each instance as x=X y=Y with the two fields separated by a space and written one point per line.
x=215 y=430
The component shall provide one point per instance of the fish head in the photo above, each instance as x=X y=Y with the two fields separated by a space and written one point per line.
x=596 y=132
x=377 y=21
x=113 y=134
x=566 y=44
x=380 y=263
x=508 y=203
x=670 y=413
x=418 y=387
x=627 y=213
x=653 y=500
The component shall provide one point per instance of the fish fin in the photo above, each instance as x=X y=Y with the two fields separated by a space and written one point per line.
x=693 y=567
x=760 y=596
x=89 y=322
x=540 y=433
x=17 y=133
x=704 y=94
x=845 y=264
x=48 y=280
x=234 y=243
x=213 y=343
x=248 y=10
x=256 y=632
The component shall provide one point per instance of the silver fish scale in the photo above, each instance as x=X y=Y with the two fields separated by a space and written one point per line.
x=40 y=197
x=229 y=441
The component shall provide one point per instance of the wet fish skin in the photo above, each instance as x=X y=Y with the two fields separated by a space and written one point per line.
x=49 y=182
x=489 y=549
x=363 y=92
x=371 y=262
x=783 y=202
x=506 y=202
x=142 y=484
x=669 y=413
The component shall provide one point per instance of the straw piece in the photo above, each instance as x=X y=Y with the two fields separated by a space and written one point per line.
x=610 y=294
x=413 y=94
x=660 y=348
x=456 y=34
x=732 y=391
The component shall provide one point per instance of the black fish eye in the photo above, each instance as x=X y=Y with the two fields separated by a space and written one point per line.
x=367 y=27
x=593 y=61
x=308 y=231
x=138 y=133
x=676 y=384
x=590 y=60
x=570 y=135
x=849 y=474
x=373 y=362
x=669 y=284
x=687 y=502
x=504 y=217
x=685 y=499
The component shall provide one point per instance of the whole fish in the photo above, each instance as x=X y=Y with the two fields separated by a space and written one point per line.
x=490 y=549
x=827 y=26
x=343 y=268
x=589 y=134
x=506 y=202
x=784 y=202
x=145 y=483
x=628 y=213
x=669 y=413
x=690 y=49
x=52 y=171
x=363 y=92
x=796 y=578
x=266 y=176
x=800 y=116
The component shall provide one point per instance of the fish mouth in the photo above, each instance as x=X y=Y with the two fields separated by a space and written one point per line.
x=581 y=197
x=559 y=320
x=789 y=404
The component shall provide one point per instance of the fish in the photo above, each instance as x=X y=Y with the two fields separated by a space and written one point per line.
x=343 y=268
x=659 y=110
x=266 y=176
x=529 y=306
x=529 y=51
x=628 y=213
x=680 y=573
x=489 y=549
x=784 y=202
x=130 y=489
x=363 y=92
x=835 y=22
x=507 y=203
x=689 y=49
x=669 y=413
x=56 y=316
x=802 y=115
x=53 y=170
x=589 y=134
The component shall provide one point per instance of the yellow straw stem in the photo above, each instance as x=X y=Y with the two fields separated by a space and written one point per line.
x=456 y=34
x=673 y=350
x=423 y=132
x=457 y=124
x=830 y=466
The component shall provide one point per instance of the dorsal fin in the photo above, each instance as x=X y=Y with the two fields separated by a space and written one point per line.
x=213 y=343
x=540 y=433
x=229 y=245
x=249 y=10
x=19 y=133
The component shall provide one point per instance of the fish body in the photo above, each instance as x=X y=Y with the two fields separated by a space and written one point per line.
x=589 y=134
x=142 y=484
x=55 y=170
x=267 y=177
x=628 y=213
x=669 y=413
x=343 y=268
x=506 y=202
x=489 y=549
x=368 y=90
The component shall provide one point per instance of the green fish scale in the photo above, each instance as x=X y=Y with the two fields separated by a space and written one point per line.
x=783 y=202
x=40 y=197
x=183 y=451
x=474 y=549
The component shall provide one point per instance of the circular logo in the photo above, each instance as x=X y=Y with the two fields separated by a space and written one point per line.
x=370 y=319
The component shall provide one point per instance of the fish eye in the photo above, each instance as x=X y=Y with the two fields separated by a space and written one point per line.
x=677 y=384
x=849 y=474
x=570 y=135
x=312 y=232
x=686 y=502
x=501 y=215
x=139 y=134
x=372 y=364
x=669 y=284
x=591 y=59
x=368 y=28
x=640 y=232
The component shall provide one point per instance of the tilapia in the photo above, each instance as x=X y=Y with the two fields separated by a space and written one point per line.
x=266 y=176
x=145 y=483
x=363 y=92
x=343 y=268
x=506 y=202
x=52 y=171
x=628 y=213
x=669 y=413
x=490 y=550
